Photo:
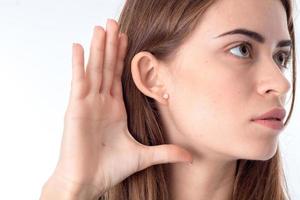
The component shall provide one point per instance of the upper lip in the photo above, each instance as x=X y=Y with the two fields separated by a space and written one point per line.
x=276 y=113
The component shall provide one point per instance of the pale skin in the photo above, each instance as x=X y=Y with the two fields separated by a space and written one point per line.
x=97 y=150
x=213 y=94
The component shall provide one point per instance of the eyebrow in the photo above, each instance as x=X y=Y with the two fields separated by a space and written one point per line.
x=256 y=36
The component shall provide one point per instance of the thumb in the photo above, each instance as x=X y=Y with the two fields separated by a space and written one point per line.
x=166 y=153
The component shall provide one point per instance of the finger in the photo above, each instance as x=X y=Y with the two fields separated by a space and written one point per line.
x=95 y=62
x=166 y=153
x=117 y=82
x=78 y=76
x=110 y=55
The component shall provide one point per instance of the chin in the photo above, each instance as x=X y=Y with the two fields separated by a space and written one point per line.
x=262 y=151
x=264 y=155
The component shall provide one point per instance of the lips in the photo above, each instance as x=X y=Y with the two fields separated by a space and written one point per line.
x=272 y=119
x=274 y=114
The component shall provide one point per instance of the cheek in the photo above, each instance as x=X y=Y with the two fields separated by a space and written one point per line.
x=211 y=109
x=210 y=93
x=208 y=101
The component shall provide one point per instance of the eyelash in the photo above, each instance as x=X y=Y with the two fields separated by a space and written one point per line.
x=249 y=48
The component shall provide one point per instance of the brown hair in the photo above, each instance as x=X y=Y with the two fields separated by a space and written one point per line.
x=160 y=27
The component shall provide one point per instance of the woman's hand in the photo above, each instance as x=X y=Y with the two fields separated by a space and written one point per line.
x=97 y=150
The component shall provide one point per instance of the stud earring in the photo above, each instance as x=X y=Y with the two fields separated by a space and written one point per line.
x=166 y=96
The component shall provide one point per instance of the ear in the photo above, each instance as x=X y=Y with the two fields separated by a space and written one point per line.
x=146 y=75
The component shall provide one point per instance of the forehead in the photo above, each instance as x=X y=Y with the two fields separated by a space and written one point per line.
x=267 y=17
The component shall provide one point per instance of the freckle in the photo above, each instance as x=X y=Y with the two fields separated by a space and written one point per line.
x=103 y=144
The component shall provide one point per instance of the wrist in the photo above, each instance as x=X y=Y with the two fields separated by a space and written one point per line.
x=59 y=188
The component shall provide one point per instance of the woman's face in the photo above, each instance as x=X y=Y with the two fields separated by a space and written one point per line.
x=218 y=84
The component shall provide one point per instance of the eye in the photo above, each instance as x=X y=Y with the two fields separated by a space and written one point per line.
x=282 y=58
x=241 y=51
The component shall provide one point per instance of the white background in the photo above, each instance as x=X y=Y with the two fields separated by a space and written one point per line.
x=35 y=73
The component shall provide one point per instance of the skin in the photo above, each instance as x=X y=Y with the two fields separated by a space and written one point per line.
x=213 y=95
x=96 y=141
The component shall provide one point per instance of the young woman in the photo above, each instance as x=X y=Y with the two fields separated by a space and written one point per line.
x=171 y=104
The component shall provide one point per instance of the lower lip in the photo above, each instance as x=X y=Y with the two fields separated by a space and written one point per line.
x=274 y=124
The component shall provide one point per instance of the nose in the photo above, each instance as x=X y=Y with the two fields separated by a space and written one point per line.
x=272 y=79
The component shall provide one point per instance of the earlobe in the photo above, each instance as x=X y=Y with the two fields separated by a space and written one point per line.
x=145 y=74
x=166 y=96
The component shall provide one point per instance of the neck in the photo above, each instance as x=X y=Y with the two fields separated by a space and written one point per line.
x=210 y=176
x=202 y=180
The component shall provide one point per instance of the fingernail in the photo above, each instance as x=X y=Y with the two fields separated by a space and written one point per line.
x=109 y=20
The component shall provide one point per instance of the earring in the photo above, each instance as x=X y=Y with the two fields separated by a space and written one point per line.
x=166 y=96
